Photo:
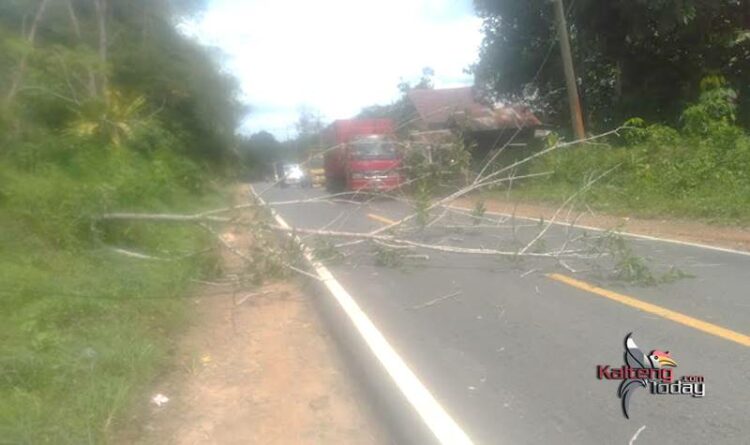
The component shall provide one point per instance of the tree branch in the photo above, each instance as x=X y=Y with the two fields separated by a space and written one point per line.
x=161 y=217
x=18 y=77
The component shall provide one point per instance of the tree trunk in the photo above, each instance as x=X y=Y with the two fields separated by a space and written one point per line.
x=91 y=87
x=101 y=16
x=73 y=19
x=18 y=77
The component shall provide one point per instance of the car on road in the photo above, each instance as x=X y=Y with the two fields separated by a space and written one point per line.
x=293 y=174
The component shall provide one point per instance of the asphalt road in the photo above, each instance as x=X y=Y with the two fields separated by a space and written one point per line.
x=512 y=354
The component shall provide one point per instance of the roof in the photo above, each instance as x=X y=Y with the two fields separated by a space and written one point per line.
x=437 y=106
x=441 y=108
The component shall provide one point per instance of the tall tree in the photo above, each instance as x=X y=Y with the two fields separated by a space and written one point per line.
x=62 y=63
x=261 y=149
x=402 y=111
x=101 y=23
x=30 y=39
x=634 y=57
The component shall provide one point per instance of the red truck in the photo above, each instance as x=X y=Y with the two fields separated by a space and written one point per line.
x=365 y=156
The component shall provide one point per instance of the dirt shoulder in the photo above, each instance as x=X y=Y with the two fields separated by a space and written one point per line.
x=255 y=366
x=678 y=229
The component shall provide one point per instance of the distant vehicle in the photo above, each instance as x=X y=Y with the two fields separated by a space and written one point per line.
x=292 y=174
x=365 y=156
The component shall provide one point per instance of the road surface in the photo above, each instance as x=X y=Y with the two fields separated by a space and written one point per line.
x=510 y=349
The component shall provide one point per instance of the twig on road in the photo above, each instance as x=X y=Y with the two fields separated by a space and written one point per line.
x=436 y=300
x=143 y=256
x=249 y=295
x=161 y=217
x=442 y=248
x=238 y=253
x=454 y=196
x=565 y=204
x=214 y=283
x=566 y=266
x=140 y=256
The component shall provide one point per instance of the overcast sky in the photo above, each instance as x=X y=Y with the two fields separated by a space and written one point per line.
x=336 y=56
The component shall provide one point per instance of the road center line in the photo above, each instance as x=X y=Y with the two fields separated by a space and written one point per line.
x=669 y=314
x=381 y=219
x=445 y=429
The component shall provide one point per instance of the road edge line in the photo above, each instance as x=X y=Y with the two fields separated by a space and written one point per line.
x=627 y=234
x=445 y=429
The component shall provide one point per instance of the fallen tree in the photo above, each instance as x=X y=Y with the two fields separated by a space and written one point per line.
x=413 y=235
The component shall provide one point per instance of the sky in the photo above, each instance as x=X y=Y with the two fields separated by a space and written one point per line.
x=335 y=56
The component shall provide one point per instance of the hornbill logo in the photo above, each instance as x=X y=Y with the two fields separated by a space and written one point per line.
x=635 y=358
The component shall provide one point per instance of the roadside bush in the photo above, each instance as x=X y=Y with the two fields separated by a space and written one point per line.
x=700 y=170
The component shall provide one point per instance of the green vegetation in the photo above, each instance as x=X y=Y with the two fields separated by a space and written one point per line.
x=689 y=152
x=701 y=169
x=626 y=266
x=104 y=107
x=261 y=151
x=634 y=57
x=388 y=257
x=401 y=110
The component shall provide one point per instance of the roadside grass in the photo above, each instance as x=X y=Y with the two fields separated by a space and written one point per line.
x=718 y=200
x=699 y=170
x=83 y=330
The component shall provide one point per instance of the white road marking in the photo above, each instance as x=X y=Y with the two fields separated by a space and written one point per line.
x=635 y=436
x=628 y=234
x=437 y=419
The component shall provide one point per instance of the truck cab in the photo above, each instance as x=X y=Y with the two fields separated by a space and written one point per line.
x=374 y=164
x=363 y=155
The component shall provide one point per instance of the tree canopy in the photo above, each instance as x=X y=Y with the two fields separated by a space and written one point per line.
x=110 y=68
x=401 y=110
x=641 y=58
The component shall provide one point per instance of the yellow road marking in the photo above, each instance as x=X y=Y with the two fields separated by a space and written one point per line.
x=694 y=323
x=381 y=219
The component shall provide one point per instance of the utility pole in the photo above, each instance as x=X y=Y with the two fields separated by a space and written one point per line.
x=570 y=76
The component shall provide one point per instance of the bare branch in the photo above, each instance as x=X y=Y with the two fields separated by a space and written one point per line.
x=51 y=93
x=565 y=204
x=453 y=197
x=18 y=76
x=91 y=84
x=496 y=154
x=73 y=18
x=436 y=300
x=246 y=258
x=100 y=6
x=143 y=256
x=161 y=217
x=140 y=256
x=448 y=249
x=551 y=149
